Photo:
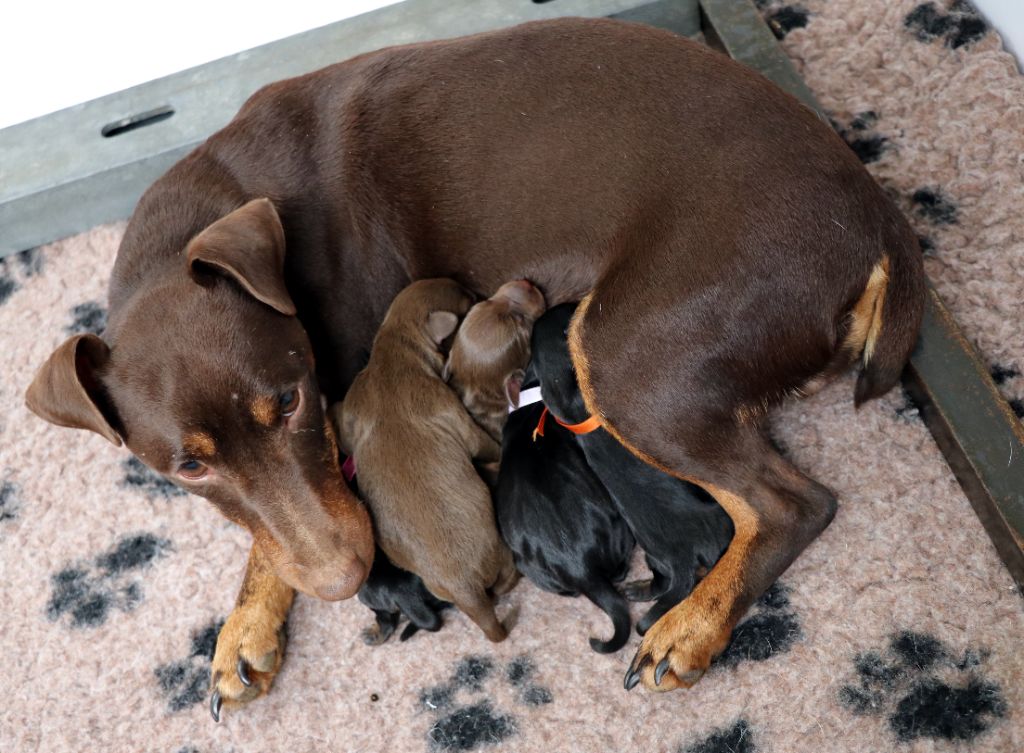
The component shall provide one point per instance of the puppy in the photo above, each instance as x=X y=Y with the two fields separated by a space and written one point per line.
x=392 y=592
x=559 y=521
x=415 y=446
x=680 y=528
x=491 y=350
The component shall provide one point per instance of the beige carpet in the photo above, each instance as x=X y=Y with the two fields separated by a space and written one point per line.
x=899 y=630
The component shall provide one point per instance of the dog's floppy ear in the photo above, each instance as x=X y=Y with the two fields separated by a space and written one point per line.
x=513 y=386
x=440 y=324
x=66 y=390
x=247 y=245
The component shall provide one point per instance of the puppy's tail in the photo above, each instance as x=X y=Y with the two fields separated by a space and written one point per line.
x=613 y=604
x=895 y=296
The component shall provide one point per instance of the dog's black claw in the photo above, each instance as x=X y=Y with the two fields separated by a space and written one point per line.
x=632 y=678
x=215 y=703
x=660 y=671
x=243 y=672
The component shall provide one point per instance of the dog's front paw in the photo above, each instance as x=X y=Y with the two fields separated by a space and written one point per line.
x=250 y=650
x=678 y=649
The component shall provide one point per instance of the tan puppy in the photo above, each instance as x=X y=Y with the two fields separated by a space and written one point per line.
x=415 y=446
x=491 y=351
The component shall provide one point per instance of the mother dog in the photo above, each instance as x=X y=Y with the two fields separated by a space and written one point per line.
x=725 y=244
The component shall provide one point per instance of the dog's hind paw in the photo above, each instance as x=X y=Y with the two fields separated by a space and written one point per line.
x=250 y=650
x=639 y=590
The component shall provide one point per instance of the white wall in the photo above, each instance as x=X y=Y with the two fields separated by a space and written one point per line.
x=58 y=53
x=1007 y=17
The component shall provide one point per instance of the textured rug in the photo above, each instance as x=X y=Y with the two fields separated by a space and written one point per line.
x=899 y=630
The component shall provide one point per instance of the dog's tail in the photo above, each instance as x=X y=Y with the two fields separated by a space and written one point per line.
x=893 y=303
x=613 y=604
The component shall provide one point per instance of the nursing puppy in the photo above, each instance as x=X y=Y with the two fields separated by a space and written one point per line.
x=680 y=528
x=415 y=446
x=391 y=593
x=559 y=521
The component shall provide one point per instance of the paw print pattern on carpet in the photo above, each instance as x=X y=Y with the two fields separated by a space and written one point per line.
x=735 y=739
x=10 y=505
x=925 y=690
x=960 y=26
x=859 y=134
x=89 y=317
x=1005 y=377
x=138 y=476
x=88 y=592
x=185 y=682
x=772 y=629
x=471 y=725
x=782 y=18
x=933 y=206
x=14 y=269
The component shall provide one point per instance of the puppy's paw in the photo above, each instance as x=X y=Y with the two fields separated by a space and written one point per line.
x=677 y=650
x=250 y=650
x=383 y=628
x=639 y=590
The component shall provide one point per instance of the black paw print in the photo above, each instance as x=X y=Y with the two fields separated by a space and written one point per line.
x=468 y=726
x=960 y=26
x=138 y=476
x=772 y=629
x=924 y=690
x=734 y=739
x=860 y=135
x=1004 y=376
x=89 y=592
x=782 y=19
x=10 y=505
x=185 y=682
x=88 y=317
x=936 y=208
x=16 y=268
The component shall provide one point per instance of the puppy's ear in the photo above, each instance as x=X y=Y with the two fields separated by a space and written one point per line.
x=440 y=324
x=66 y=390
x=248 y=246
x=513 y=386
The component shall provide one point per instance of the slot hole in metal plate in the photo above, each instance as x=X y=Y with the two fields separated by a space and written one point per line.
x=140 y=120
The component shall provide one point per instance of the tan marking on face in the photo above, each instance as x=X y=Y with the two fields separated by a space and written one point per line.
x=200 y=443
x=866 y=316
x=264 y=410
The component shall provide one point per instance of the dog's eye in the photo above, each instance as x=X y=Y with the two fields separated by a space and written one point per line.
x=193 y=470
x=289 y=402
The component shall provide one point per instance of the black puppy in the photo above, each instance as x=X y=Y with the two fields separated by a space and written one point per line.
x=558 y=520
x=392 y=592
x=679 y=526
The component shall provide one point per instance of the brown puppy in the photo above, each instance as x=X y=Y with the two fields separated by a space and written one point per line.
x=490 y=353
x=415 y=445
x=727 y=246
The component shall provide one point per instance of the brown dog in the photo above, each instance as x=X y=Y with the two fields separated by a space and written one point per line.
x=726 y=244
x=415 y=447
x=490 y=353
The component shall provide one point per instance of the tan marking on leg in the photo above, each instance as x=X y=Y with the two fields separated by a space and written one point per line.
x=200 y=443
x=866 y=315
x=696 y=630
x=264 y=410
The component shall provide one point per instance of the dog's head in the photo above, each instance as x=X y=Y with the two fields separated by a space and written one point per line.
x=207 y=376
x=492 y=346
x=553 y=364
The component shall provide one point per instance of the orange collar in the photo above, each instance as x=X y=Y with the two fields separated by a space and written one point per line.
x=583 y=427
